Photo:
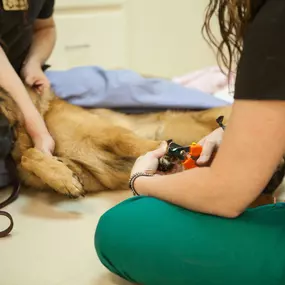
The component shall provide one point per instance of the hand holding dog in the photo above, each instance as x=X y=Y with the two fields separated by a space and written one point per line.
x=150 y=161
x=34 y=76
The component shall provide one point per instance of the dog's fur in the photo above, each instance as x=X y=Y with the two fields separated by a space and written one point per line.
x=95 y=149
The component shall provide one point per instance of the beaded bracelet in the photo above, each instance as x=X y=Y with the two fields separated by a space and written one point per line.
x=132 y=181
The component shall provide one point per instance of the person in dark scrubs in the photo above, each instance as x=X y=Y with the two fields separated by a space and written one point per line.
x=27 y=37
x=195 y=227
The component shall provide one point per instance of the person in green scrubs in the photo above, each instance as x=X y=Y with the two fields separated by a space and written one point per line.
x=195 y=227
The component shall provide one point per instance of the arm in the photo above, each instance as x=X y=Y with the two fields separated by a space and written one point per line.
x=241 y=169
x=11 y=82
x=254 y=141
x=41 y=48
x=43 y=42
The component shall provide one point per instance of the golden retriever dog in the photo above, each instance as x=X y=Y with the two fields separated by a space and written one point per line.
x=96 y=149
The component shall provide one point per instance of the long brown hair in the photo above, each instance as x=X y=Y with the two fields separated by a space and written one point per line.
x=233 y=17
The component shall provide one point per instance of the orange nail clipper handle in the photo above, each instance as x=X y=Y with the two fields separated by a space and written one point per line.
x=195 y=152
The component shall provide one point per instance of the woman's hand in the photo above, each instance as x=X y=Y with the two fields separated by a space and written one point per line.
x=44 y=143
x=34 y=76
x=149 y=162
x=34 y=123
x=210 y=144
x=42 y=139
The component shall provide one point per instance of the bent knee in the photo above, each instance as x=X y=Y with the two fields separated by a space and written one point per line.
x=120 y=222
x=114 y=231
x=115 y=225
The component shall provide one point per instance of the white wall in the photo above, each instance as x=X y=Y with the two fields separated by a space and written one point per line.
x=155 y=37
x=166 y=36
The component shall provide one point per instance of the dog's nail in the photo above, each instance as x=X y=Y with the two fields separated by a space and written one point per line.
x=70 y=196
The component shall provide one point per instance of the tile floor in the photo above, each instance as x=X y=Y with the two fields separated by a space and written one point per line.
x=52 y=242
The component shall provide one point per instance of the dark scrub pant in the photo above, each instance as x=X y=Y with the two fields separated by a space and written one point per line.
x=151 y=242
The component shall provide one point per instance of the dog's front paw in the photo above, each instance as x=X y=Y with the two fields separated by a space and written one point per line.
x=75 y=188
x=53 y=173
x=68 y=184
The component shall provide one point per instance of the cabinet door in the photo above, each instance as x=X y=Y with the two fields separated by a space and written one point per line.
x=93 y=34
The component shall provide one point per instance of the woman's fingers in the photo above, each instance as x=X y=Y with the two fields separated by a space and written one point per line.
x=202 y=141
x=208 y=149
x=159 y=152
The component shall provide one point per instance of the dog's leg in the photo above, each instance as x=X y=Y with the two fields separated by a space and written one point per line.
x=90 y=182
x=52 y=172
x=107 y=156
x=127 y=144
x=30 y=180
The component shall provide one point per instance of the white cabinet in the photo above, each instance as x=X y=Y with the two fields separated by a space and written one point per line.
x=153 y=37
x=90 y=33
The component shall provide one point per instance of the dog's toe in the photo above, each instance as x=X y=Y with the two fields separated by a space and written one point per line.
x=76 y=188
x=72 y=188
x=53 y=172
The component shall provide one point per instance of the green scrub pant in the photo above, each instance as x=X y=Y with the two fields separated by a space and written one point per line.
x=151 y=242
